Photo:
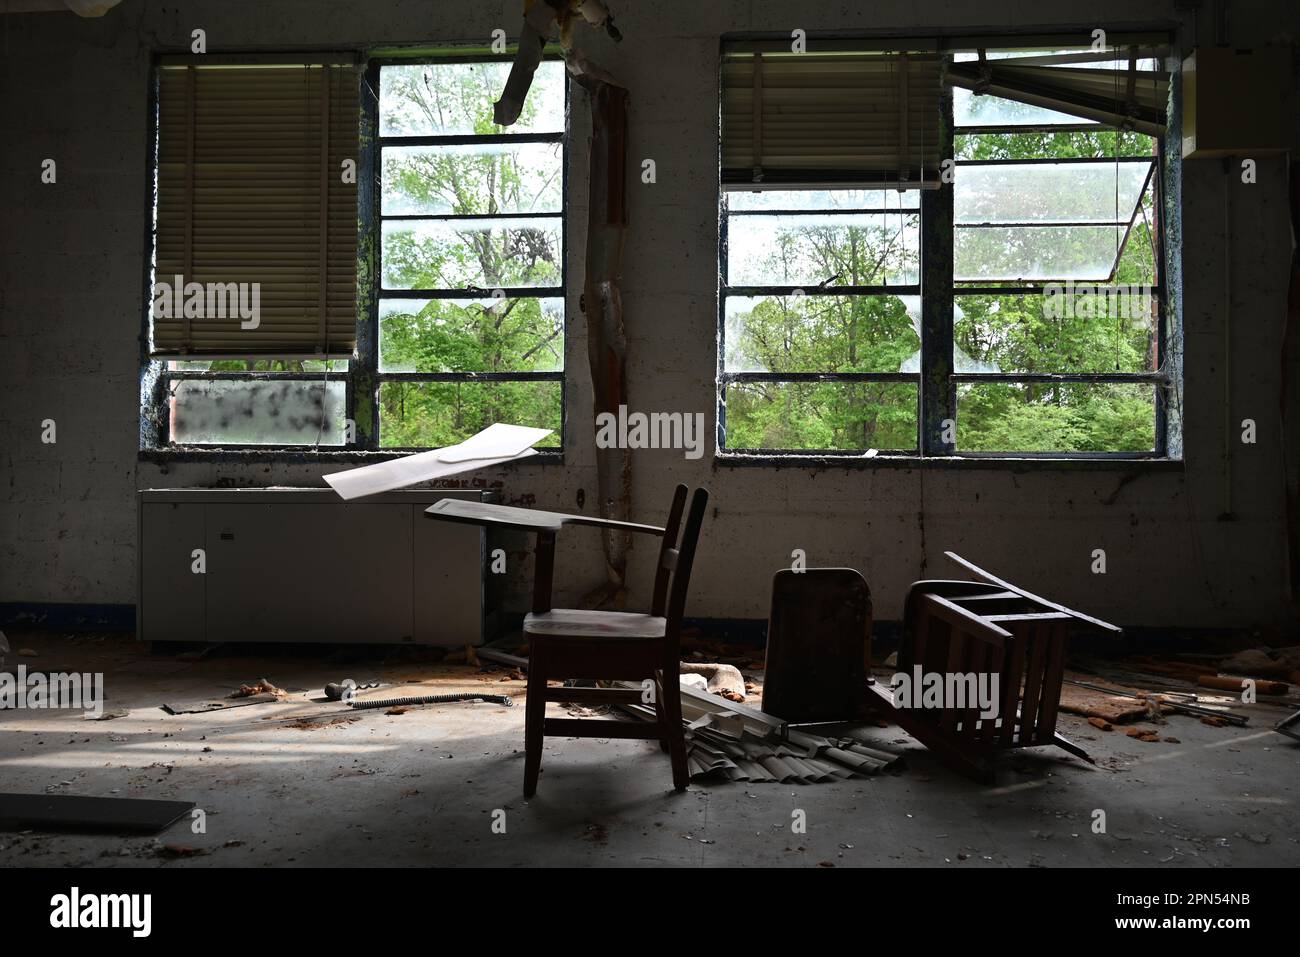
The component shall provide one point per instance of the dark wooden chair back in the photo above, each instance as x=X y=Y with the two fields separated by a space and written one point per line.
x=668 y=552
x=682 y=562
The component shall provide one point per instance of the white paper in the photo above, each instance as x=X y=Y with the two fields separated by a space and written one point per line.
x=494 y=445
x=496 y=441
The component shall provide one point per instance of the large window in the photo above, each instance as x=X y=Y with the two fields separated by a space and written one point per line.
x=1012 y=304
x=470 y=291
x=455 y=318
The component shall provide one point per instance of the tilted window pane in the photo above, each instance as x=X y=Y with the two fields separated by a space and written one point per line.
x=471 y=335
x=821 y=333
x=1036 y=253
x=487 y=253
x=1102 y=192
x=473 y=180
x=818 y=416
x=455 y=99
x=227 y=412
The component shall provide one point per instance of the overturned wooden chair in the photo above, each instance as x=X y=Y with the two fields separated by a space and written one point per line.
x=989 y=629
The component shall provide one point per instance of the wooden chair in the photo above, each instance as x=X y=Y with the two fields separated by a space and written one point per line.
x=985 y=628
x=611 y=645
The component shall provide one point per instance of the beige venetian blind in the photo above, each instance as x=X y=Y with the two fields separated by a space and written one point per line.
x=861 y=119
x=251 y=190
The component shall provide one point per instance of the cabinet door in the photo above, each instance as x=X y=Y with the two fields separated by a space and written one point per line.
x=309 y=572
x=448 y=580
x=172 y=603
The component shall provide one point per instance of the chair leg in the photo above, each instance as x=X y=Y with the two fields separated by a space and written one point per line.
x=672 y=699
x=662 y=716
x=534 y=718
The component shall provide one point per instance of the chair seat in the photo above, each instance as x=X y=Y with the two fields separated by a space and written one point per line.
x=580 y=623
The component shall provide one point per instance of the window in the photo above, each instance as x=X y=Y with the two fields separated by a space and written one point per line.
x=455 y=318
x=1057 y=307
x=470 y=292
x=252 y=313
x=1013 y=307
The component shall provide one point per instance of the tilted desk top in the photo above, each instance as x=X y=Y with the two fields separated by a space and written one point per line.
x=527 y=519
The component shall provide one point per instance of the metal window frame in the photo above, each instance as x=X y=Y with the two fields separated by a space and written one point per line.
x=379 y=291
x=363 y=377
x=1157 y=378
x=726 y=291
x=938 y=380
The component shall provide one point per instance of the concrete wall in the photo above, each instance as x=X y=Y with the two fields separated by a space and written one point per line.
x=75 y=90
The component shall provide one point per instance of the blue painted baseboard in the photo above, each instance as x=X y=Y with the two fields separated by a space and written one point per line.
x=59 y=616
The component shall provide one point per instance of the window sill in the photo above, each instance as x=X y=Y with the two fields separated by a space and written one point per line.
x=1004 y=463
x=295 y=456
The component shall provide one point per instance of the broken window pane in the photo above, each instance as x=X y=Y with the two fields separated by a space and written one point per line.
x=483 y=253
x=821 y=333
x=847 y=250
x=812 y=416
x=437 y=414
x=1102 y=192
x=471 y=335
x=1074 y=328
x=472 y=180
x=445 y=99
x=1056 y=417
x=229 y=412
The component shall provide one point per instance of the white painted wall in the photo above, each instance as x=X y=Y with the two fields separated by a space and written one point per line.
x=71 y=281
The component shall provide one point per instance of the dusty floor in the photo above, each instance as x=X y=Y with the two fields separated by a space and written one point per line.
x=288 y=784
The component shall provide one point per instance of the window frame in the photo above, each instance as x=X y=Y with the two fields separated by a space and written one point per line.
x=938 y=379
x=363 y=378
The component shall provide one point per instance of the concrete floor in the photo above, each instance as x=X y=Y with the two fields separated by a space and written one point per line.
x=286 y=784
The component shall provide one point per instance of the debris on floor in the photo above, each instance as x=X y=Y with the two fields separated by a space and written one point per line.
x=262 y=687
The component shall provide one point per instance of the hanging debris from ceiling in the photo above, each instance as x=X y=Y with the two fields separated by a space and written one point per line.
x=540 y=19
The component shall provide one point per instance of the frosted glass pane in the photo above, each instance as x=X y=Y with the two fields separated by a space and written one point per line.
x=226 y=412
x=472 y=252
x=473 y=180
x=1100 y=192
x=440 y=99
x=1036 y=252
x=807 y=250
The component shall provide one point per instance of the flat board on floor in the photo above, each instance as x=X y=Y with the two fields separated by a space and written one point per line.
x=73 y=812
x=219 y=704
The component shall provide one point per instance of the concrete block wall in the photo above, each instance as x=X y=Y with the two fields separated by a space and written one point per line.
x=71 y=296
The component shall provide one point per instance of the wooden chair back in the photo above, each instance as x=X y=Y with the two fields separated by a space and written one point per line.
x=668 y=551
x=682 y=563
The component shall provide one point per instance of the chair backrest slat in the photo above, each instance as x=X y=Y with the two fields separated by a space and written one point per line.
x=685 y=559
x=668 y=552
